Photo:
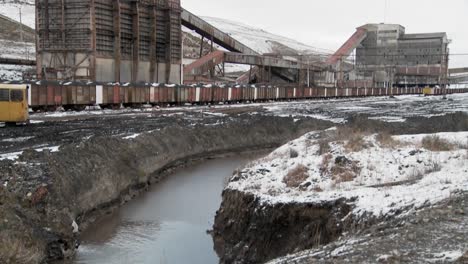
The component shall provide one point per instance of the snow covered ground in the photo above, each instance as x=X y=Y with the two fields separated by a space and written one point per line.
x=379 y=175
x=17 y=50
x=13 y=72
x=387 y=109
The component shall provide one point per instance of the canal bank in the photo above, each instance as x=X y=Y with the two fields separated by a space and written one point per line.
x=57 y=194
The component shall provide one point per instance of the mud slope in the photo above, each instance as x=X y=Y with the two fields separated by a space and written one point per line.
x=260 y=232
x=47 y=196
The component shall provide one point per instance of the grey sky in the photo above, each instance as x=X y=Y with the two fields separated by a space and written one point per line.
x=327 y=24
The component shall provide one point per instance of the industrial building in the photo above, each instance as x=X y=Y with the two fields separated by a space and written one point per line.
x=141 y=41
x=386 y=56
x=109 y=40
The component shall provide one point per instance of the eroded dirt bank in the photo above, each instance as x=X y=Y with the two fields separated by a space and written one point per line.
x=247 y=230
x=46 y=197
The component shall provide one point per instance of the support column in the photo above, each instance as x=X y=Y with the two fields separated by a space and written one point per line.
x=212 y=48
x=117 y=40
x=201 y=46
x=168 y=44
x=153 y=47
x=38 y=48
x=136 y=40
x=62 y=31
x=92 y=57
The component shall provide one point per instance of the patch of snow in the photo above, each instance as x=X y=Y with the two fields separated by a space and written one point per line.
x=36 y=121
x=11 y=156
x=383 y=258
x=132 y=136
x=447 y=256
x=353 y=108
x=214 y=114
x=389 y=119
x=50 y=149
x=18 y=139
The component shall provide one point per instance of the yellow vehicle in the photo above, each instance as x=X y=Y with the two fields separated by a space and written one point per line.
x=14 y=103
x=428 y=91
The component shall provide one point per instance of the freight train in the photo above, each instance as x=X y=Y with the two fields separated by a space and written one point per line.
x=74 y=95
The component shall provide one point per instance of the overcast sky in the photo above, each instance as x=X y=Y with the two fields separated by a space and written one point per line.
x=328 y=24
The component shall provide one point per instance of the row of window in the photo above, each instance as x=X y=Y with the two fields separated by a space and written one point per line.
x=11 y=95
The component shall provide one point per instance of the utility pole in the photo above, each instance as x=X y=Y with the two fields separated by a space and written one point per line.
x=21 y=25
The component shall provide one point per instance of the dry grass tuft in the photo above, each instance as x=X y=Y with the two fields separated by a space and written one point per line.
x=347 y=132
x=434 y=166
x=296 y=176
x=324 y=146
x=317 y=189
x=325 y=162
x=463 y=145
x=435 y=143
x=416 y=175
x=354 y=136
x=345 y=172
x=386 y=140
x=356 y=143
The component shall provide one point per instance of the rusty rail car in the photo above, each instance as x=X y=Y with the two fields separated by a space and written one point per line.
x=46 y=96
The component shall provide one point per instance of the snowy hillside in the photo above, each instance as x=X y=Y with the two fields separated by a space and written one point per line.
x=261 y=40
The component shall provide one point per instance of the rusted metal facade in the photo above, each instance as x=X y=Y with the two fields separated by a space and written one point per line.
x=109 y=40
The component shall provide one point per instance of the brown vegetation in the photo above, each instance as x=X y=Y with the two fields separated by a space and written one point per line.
x=296 y=176
x=345 y=172
x=324 y=164
x=435 y=143
x=317 y=189
x=354 y=137
x=386 y=140
x=356 y=143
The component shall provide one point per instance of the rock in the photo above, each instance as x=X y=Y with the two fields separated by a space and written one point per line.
x=293 y=153
x=342 y=160
x=39 y=195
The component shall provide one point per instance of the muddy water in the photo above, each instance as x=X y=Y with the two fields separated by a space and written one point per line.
x=168 y=224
